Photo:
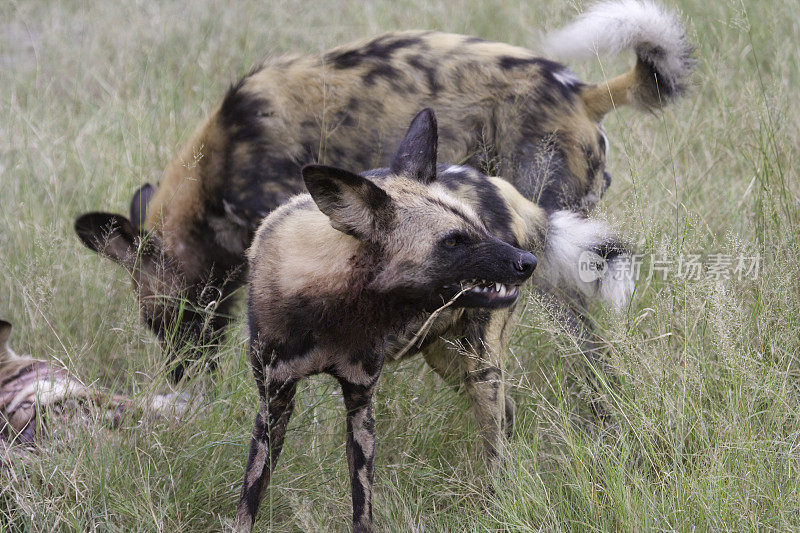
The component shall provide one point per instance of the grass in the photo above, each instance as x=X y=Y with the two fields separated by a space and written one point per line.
x=704 y=426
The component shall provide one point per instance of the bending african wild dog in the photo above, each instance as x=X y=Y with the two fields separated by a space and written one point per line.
x=501 y=109
x=345 y=276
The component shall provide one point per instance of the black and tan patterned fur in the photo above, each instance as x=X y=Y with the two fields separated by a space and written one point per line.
x=40 y=397
x=501 y=110
x=337 y=277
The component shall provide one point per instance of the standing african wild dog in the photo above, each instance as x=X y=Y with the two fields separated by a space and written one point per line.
x=339 y=287
x=335 y=272
x=500 y=108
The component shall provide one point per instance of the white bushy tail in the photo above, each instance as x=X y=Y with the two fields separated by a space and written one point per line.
x=584 y=254
x=664 y=57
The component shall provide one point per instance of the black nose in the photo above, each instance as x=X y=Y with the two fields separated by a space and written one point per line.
x=525 y=263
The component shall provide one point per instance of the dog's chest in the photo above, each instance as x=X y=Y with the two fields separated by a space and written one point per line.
x=420 y=333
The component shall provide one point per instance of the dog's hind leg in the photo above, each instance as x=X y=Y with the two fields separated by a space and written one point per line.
x=276 y=406
x=485 y=350
x=449 y=364
x=476 y=362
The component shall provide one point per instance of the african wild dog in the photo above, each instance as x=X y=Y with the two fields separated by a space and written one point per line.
x=30 y=386
x=36 y=394
x=333 y=273
x=501 y=109
x=345 y=276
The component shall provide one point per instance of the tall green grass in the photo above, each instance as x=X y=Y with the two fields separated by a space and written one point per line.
x=701 y=428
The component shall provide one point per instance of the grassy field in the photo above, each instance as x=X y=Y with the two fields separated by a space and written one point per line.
x=703 y=429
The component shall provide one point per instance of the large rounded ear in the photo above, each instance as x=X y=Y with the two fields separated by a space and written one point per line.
x=108 y=234
x=6 y=353
x=139 y=203
x=5 y=334
x=416 y=156
x=354 y=204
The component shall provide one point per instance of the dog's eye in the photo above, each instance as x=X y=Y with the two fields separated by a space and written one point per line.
x=453 y=240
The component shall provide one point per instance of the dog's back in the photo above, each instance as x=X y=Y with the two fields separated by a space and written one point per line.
x=502 y=110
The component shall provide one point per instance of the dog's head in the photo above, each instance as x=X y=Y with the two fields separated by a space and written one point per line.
x=185 y=309
x=435 y=248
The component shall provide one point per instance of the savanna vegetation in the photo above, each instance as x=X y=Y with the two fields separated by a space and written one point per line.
x=701 y=387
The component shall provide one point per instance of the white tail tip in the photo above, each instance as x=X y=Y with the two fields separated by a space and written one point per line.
x=583 y=254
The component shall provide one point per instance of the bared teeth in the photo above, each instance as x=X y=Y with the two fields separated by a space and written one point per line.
x=477 y=286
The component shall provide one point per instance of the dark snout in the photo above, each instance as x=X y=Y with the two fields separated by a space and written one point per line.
x=510 y=264
x=491 y=274
x=497 y=261
x=525 y=264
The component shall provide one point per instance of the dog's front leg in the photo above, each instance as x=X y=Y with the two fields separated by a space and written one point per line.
x=360 y=451
x=277 y=404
